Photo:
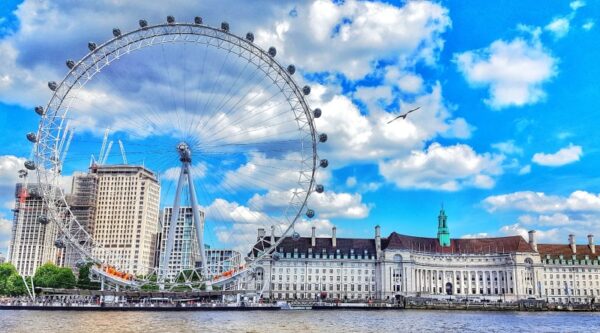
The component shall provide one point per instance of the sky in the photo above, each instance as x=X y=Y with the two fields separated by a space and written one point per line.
x=504 y=138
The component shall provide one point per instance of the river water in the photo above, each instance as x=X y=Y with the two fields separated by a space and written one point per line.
x=297 y=321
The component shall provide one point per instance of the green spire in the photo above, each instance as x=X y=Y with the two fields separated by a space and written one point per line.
x=443 y=234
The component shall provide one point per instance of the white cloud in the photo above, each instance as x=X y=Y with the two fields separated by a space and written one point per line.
x=223 y=210
x=406 y=81
x=351 y=181
x=588 y=25
x=551 y=235
x=525 y=170
x=172 y=174
x=564 y=156
x=322 y=227
x=576 y=4
x=539 y=202
x=5 y=234
x=508 y=147
x=354 y=136
x=559 y=27
x=9 y=167
x=327 y=205
x=512 y=71
x=556 y=219
x=350 y=36
x=443 y=168
x=477 y=235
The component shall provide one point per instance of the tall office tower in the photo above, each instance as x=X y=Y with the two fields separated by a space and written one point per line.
x=126 y=216
x=82 y=202
x=185 y=244
x=32 y=242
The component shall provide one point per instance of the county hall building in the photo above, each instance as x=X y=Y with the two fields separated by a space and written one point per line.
x=383 y=268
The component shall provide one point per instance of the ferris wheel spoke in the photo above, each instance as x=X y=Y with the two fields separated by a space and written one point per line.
x=214 y=122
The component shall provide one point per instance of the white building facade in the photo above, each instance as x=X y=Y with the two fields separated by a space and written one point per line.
x=477 y=269
x=126 y=216
x=33 y=236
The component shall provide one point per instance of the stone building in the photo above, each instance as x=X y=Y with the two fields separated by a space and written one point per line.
x=569 y=273
x=126 y=216
x=476 y=269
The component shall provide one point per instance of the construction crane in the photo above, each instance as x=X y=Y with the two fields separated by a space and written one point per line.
x=104 y=140
x=103 y=160
x=123 y=152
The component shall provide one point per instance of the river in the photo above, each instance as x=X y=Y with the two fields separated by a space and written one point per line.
x=297 y=321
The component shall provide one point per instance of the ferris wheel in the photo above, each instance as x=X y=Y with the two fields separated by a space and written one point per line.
x=219 y=123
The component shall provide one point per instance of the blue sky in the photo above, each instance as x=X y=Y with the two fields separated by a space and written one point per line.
x=505 y=137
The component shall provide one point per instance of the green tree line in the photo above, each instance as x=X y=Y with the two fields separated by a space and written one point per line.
x=46 y=276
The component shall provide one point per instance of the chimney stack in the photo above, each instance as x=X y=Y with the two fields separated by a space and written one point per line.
x=313 y=240
x=591 y=244
x=532 y=241
x=261 y=233
x=377 y=240
x=572 y=243
x=333 y=237
x=272 y=235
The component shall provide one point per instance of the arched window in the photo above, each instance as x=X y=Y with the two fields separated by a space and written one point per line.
x=397 y=258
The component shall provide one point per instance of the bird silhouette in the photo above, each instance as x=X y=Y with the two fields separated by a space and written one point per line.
x=403 y=116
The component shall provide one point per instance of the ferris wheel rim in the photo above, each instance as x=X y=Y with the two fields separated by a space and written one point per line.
x=50 y=176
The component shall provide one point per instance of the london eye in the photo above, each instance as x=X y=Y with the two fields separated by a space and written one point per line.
x=217 y=121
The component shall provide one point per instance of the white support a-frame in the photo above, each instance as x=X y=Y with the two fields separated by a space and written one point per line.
x=185 y=175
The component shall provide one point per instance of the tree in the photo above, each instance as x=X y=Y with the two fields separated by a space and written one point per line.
x=15 y=286
x=83 y=281
x=6 y=271
x=52 y=276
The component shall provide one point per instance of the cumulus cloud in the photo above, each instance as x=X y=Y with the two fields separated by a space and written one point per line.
x=513 y=71
x=223 y=210
x=577 y=4
x=588 y=25
x=5 y=233
x=559 y=27
x=525 y=169
x=327 y=205
x=349 y=36
x=564 y=156
x=539 y=202
x=477 y=235
x=447 y=168
x=508 y=147
x=172 y=174
x=354 y=136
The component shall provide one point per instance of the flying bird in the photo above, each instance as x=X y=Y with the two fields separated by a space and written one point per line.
x=403 y=116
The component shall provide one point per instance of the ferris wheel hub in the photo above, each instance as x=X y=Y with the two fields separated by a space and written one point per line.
x=185 y=153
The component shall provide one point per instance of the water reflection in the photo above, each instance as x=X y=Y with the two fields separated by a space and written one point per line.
x=296 y=321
